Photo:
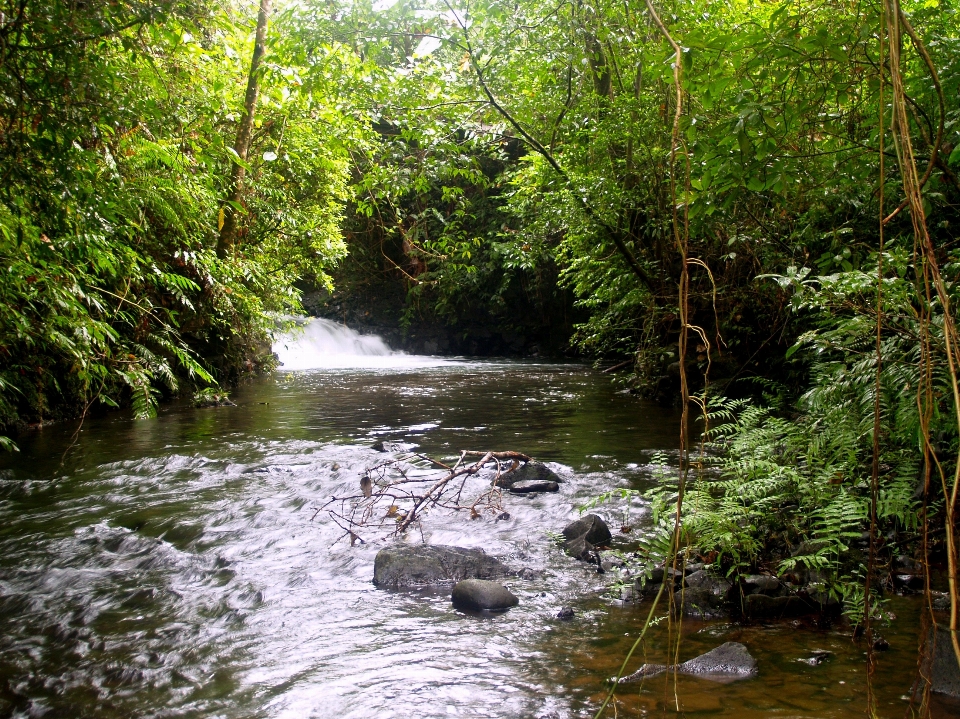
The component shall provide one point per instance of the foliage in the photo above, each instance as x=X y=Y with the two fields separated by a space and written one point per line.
x=778 y=476
x=114 y=139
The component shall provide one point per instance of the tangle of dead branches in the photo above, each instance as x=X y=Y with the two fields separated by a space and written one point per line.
x=396 y=493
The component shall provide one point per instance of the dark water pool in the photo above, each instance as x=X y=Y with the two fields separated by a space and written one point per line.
x=172 y=567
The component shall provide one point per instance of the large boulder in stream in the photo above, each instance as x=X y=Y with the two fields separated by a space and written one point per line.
x=730 y=660
x=591 y=528
x=424 y=564
x=529 y=472
x=482 y=595
x=584 y=535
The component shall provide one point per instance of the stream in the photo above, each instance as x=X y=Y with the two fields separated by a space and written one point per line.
x=178 y=567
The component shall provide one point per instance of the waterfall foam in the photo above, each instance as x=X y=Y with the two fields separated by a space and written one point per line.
x=323 y=344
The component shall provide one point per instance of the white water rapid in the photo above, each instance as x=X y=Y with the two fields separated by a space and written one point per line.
x=323 y=344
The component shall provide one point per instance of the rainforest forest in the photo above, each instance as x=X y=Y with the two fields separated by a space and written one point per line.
x=738 y=221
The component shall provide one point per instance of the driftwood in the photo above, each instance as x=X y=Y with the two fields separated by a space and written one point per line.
x=395 y=494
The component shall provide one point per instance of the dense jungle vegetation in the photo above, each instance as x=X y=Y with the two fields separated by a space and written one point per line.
x=753 y=205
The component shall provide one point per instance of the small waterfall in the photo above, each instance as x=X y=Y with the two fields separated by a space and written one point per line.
x=324 y=344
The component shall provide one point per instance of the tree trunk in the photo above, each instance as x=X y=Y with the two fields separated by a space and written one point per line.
x=228 y=226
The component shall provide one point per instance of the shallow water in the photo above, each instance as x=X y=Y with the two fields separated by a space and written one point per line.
x=174 y=567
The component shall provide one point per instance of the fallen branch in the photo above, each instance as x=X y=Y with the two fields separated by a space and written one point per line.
x=397 y=493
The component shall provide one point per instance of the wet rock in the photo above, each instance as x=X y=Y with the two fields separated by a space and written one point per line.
x=644 y=587
x=502 y=517
x=911 y=582
x=529 y=472
x=907 y=565
x=648 y=586
x=527 y=573
x=762 y=606
x=590 y=528
x=213 y=400
x=482 y=594
x=533 y=487
x=412 y=565
x=941 y=601
x=818 y=657
x=705 y=596
x=384 y=446
x=760 y=584
x=820 y=595
x=581 y=549
x=880 y=644
x=693 y=567
x=566 y=614
x=700 y=603
x=706 y=580
x=656 y=577
x=940 y=663
x=608 y=565
x=730 y=660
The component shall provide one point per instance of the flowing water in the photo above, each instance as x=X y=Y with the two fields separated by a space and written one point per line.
x=177 y=567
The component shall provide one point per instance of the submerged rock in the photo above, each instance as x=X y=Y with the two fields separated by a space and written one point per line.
x=529 y=472
x=730 y=660
x=412 y=565
x=482 y=594
x=384 y=446
x=818 y=657
x=533 y=487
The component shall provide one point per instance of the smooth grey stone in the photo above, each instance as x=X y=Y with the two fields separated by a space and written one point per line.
x=533 y=487
x=591 y=528
x=529 y=472
x=482 y=594
x=413 y=565
x=730 y=660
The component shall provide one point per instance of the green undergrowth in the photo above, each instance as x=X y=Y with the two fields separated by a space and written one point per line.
x=784 y=485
